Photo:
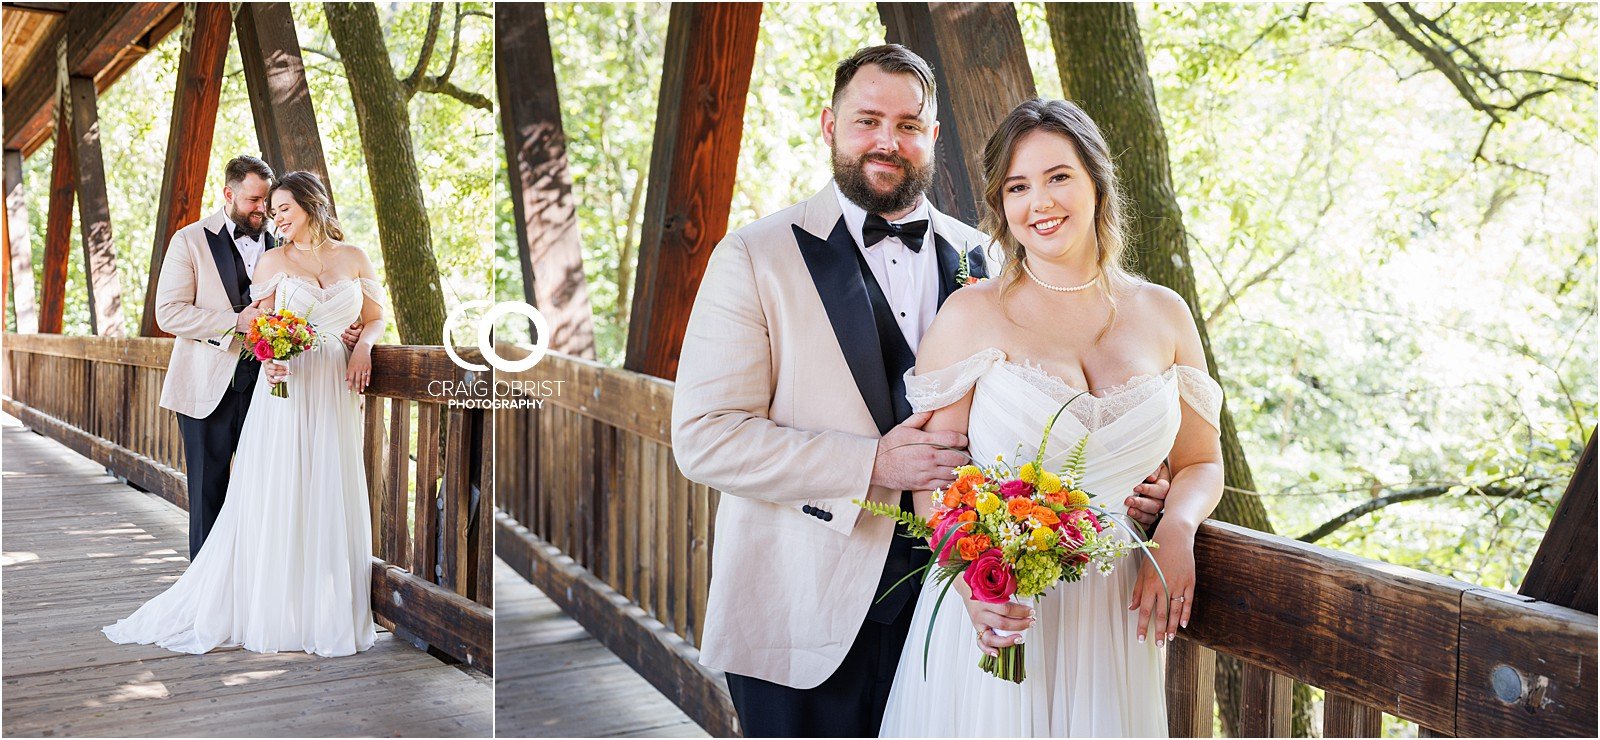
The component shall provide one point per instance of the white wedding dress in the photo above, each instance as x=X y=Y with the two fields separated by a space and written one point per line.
x=288 y=564
x=1087 y=673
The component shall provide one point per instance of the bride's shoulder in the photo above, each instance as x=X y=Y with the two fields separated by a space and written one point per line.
x=1159 y=301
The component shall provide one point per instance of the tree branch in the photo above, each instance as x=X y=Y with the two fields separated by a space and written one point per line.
x=476 y=100
x=1412 y=494
x=413 y=82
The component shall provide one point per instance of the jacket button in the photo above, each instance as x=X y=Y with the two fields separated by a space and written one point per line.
x=827 y=516
x=807 y=509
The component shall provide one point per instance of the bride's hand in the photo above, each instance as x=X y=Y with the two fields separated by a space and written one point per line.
x=276 y=371
x=1159 y=612
x=358 y=371
x=990 y=617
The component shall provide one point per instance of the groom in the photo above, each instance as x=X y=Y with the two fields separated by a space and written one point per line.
x=202 y=297
x=790 y=397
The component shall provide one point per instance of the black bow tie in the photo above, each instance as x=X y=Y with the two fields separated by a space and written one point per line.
x=909 y=233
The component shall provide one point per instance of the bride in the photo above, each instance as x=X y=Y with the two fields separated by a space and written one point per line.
x=288 y=564
x=1000 y=358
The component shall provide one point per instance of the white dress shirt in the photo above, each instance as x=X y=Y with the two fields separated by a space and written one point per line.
x=910 y=280
x=249 y=247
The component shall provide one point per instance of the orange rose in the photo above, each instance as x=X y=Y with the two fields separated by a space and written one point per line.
x=1046 y=516
x=970 y=480
x=970 y=517
x=952 y=498
x=1019 y=507
x=973 y=546
x=969 y=497
x=1059 y=497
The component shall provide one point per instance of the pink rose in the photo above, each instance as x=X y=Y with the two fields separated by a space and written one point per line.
x=1082 y=517
x=1015 y=488
x=946 y=524
x=263 y=350
x=990 y=579
x=1071 y=537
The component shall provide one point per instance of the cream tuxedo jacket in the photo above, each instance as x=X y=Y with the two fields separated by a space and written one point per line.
x=195 y=299
x=780 y=395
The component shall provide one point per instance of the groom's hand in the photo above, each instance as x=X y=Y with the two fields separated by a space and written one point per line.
x=247 y=317
x=351 y=336
x=910 y=459
x=1150 y=497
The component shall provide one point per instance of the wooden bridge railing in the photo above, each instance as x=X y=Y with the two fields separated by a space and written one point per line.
x=432 y=574
x=595 y=513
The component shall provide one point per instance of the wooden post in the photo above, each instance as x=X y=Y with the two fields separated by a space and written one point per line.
x=710 y=50
x=1265 y=703
x=18 y=239
x=280 y=100
x=58 y=227
x=1563 y=570
x=194 y=120
x=541 y=188
x=981 y=67
x=1191 y=694
x=1345 y=717
x=94 y=214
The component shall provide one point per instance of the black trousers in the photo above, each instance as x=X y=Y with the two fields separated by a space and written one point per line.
x=849 y=704
x=208 y=446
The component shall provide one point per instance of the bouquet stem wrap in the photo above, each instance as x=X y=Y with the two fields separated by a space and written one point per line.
x=1008 y=664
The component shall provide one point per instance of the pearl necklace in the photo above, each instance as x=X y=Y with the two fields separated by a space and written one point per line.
x=1057 y=288
x=297 y=246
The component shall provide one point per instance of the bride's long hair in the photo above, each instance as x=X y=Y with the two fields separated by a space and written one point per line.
x=307 y=190
x=1065 y=118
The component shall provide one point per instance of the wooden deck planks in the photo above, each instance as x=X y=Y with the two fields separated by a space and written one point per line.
x=541 y=654
x=81 y=550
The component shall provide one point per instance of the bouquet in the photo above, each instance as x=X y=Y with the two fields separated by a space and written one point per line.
x=279 y=335
x=1013 y=533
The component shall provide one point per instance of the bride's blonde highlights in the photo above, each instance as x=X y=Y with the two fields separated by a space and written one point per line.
x=1064 y=118
x=312 y=197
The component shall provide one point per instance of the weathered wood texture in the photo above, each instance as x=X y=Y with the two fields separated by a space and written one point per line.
x=543 y=654
x=100 y=397
x=58 y=229
x=542 y=205
x=82 y=550
x=18 y=230
x=590 y=477
x=189 y=135
x=280 y=100
x=94 y=213
x=710 y=50
x=1563 y=570
x=97 y=36
x=979 y=83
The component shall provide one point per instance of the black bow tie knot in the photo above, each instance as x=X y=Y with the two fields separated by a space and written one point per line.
x=910 y=233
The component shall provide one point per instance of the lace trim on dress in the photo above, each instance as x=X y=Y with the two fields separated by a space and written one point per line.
x=263 y=288
x=374 y=290
x=1202 y=393
x=940 y=388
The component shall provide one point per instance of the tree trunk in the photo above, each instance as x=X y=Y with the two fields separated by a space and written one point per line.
x=1101 y=58
x=385 y=126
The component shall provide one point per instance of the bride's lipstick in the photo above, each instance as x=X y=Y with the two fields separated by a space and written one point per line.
x=1048 y=226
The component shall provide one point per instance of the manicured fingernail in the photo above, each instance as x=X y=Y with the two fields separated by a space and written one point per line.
x=1141 y=639
x=1184 y=624
x=1158 y=643
x=1171 y=635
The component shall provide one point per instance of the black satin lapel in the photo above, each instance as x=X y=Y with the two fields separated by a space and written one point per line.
x=844 y=298
x=949 y=264
x=222 y=254
x=978 y=264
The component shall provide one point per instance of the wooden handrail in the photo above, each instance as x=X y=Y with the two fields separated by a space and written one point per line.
x=426 y=467
x=590 y=475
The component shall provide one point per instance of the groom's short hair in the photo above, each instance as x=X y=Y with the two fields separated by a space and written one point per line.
x=243 y=165
x=891 y=58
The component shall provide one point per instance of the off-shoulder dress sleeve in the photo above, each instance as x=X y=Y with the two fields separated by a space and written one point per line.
x=1197 y=389
x=940 y=388
x=262 y=288
x=373 y=290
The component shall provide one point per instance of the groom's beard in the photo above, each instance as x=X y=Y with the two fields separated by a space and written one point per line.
x=243 y=225
x=857 y=185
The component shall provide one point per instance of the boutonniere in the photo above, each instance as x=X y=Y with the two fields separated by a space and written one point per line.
x=964 y=276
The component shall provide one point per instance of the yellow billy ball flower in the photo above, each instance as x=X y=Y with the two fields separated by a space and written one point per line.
x=1029 y=473
x=968 y=470
x=1042 y=538
x=1048 y=482
x=1077 y=498
x=986 y=503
